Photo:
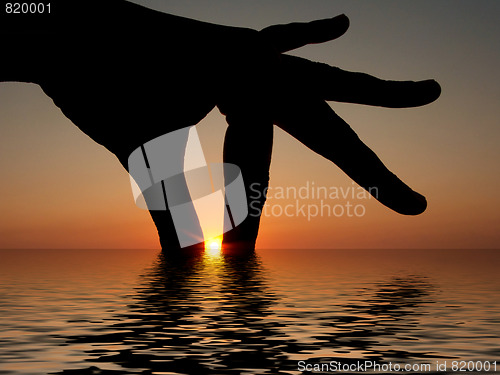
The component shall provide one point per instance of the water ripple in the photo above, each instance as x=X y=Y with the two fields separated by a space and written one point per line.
x=236 y=314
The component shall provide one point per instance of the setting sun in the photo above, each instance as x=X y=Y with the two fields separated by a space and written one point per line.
x=214 y=245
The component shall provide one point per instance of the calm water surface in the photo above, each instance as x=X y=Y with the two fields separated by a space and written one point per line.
x=141 y=312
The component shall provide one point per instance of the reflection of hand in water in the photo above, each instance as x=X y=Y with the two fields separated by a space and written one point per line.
x=125 y=74
x=197 y=313
x=192 y=314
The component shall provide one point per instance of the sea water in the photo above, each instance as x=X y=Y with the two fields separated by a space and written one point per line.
x=272 y=312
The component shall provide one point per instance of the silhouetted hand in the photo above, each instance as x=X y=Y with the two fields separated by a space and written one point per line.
x=125 y=74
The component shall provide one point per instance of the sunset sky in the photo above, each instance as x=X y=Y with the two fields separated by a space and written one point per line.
x=59 y=189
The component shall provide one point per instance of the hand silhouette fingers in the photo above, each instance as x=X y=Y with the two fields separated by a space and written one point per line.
x=330 y=83
x=295 y=35
x=247 y=105
x=317 y=126
x=248 y=144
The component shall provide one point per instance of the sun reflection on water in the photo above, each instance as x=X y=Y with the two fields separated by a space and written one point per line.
x=213 y=247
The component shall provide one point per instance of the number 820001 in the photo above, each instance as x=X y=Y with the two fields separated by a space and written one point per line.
x=27 y=8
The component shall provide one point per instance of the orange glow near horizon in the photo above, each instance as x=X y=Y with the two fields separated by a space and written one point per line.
x=60 y=189
x=213 y=246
